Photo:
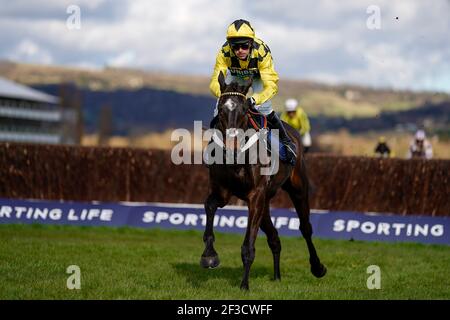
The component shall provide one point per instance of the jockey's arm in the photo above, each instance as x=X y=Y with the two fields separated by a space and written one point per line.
x=305 y=126
x=221 y=65
x=269 y=78
x=428 y=150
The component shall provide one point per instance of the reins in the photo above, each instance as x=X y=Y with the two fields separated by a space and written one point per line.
x=253 y=122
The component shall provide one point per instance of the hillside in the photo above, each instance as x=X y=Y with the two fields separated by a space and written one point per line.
x=317 y=99
x=434 y=117
x=139 y=111
x=135 y=112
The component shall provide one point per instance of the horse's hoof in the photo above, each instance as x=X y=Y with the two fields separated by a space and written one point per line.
x=320 y=271
x=244 y=287
x=210 y=262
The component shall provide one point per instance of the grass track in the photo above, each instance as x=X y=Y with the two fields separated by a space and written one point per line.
x=127 y=263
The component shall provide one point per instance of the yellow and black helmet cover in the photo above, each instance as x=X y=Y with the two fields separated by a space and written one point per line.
x=240 y=31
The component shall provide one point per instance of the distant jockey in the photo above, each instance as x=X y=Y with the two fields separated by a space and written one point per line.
x=382 y=150
x=420 y=147
x=296 y=117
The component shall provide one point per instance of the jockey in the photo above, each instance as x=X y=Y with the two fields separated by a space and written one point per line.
x=420 y=147
x=245 y=56
x=296 y=117
x=382 y=150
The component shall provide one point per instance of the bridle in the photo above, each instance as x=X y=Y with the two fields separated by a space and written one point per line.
x=249 y=112
x=233 y=93
x=252 y=139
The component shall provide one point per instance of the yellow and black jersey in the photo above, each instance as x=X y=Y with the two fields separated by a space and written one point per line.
x=259 y=65
x=299 y=122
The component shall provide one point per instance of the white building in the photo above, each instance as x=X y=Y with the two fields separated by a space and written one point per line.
x=31 y=116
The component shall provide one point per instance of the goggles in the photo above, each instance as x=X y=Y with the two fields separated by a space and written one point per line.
x=237 y=46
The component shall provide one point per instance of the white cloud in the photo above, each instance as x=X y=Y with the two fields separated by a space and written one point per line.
x=29 y=51
x=321 y=39
x=124 y=59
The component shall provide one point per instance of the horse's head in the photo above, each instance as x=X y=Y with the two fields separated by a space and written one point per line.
x=232 y=105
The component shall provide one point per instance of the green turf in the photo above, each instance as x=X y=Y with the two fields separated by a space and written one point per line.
x=126 y=263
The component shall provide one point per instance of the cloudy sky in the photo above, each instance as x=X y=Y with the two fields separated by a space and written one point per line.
x=323 y=40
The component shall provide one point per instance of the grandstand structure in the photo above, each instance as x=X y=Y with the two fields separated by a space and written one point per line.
x=31 y=116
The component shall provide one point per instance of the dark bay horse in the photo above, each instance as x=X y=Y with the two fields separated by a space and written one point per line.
x=246 y=182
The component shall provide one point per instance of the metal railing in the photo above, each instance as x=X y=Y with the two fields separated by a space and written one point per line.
x=31 y=114
x=30 y=137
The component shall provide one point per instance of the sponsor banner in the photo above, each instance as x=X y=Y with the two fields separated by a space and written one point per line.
x=333 y=225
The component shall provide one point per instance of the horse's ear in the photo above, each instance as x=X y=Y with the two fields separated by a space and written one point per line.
x=222 y=82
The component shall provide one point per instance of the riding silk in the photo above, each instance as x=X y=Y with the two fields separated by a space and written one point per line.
x=258 y=66
x=299 y=122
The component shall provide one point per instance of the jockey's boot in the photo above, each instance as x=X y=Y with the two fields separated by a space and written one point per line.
x=284 y=138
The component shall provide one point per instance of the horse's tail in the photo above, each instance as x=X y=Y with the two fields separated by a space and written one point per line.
x=311 y=188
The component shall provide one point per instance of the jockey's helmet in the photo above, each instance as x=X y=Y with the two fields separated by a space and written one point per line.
x=420 y=135
x=291 y=104
x=240 y=31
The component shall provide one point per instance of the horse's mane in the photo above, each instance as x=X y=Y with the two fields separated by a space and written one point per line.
x=233 y=87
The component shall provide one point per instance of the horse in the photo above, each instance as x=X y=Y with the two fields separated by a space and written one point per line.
x=246 y=182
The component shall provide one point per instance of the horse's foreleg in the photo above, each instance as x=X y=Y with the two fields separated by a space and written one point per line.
x=210 y=258
x=273 y=241
x=255 y=214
